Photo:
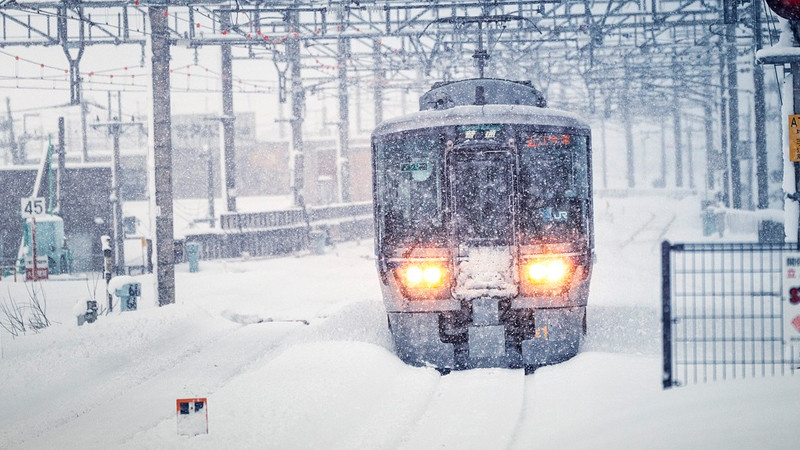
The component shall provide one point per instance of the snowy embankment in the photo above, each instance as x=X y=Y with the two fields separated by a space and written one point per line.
x=294 y=353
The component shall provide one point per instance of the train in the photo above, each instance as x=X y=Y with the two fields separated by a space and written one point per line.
x=484 y=230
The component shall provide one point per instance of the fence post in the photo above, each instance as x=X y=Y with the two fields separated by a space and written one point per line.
x=666 y=313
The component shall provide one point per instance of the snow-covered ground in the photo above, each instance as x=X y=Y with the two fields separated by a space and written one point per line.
x=294 y=352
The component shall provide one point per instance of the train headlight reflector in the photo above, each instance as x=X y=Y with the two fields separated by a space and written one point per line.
x=547 y=271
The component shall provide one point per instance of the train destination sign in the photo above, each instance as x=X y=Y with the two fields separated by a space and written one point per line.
x=489 y=131
x=545 y=139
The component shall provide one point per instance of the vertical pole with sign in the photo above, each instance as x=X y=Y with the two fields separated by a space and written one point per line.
x=30 y=208
x=790 y=10
x=35 y=276
x=794 y=138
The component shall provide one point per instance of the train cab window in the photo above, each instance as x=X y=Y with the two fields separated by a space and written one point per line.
x=410 y=189
x=481 y=185
x=553 y=186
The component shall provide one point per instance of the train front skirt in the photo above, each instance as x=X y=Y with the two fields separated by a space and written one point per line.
x=557 y=336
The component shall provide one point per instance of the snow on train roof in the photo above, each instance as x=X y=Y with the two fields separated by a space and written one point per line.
x=481 y=114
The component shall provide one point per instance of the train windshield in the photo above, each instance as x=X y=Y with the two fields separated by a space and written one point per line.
x=410 y=190
x=482 y=196
x=553 y=186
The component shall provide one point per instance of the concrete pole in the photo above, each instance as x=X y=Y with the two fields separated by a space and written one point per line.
x=760 y=111
x=344 y=117
x=116 y=201
x=380 y=77
x=84 y=135
x=690 y=157
x=228 y=117
x=298 y=105
x=62 y=162
x=724 y=148
x=663 y=154
x=710 y=152
x=162 y=150
x=626 y=121
x=210 y=187
x=678 y=141
x=733 y=109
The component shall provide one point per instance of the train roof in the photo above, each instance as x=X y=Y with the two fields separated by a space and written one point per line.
x=481 y=91
x=481 y=114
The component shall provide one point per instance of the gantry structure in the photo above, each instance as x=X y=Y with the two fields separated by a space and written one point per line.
x=634 y=59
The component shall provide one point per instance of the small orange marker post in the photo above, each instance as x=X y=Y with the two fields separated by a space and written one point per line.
x=192 y=416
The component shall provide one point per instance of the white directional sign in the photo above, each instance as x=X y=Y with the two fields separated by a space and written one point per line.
x=33 y=206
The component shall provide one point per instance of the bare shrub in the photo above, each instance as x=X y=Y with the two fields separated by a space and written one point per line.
x=20 y=317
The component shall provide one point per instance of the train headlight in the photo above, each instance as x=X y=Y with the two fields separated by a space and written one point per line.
x=546 y=275
x=414 y=276
x=424 y=280
x=428 y=275
x=547 y=271
x=433 y=275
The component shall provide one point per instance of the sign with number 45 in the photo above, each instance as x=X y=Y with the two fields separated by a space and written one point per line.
x=33 y=206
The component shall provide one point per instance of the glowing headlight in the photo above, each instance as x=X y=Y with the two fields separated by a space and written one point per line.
x=432 y=275
x=414 y=275
x=423 y=275
x=547 y=271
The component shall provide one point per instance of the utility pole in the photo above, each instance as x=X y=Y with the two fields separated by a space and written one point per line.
x=115 y=129
x=380 y=78
x=663 y=135
x=676 y=123
x=603 y=164
x=228 y=117
x=723 y=122
x=733 y=116
x=210 y=187
x=17 y=155
x=790 y=10
x=711 y=154
x=626 y=119
x=62 y=162
x=760 y=112
x=298 y=105
x=690 y=157
x=344 y=114
x=162 y=152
